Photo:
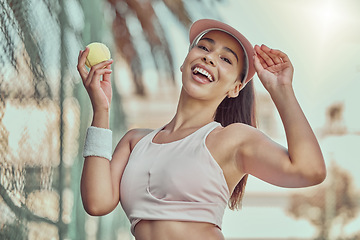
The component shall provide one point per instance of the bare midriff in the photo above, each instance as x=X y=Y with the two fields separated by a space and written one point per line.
x=176 y=230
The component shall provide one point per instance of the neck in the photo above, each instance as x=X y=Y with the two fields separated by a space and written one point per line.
x=192 y=113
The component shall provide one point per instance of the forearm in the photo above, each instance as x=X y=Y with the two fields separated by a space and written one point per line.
x=96 y=183
x=303 y=148
x=96 y=186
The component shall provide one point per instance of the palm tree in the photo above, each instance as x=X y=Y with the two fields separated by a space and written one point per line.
x=152 y=30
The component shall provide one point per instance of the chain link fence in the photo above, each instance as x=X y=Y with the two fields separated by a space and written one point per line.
x=44 y=112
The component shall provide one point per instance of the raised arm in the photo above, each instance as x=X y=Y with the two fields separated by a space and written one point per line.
x=100 y=181
x=300 y=165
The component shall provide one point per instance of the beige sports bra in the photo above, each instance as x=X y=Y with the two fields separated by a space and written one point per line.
x=178 y=181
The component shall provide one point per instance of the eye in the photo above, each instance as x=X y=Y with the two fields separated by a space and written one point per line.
x=226 y=60
x=203 y=48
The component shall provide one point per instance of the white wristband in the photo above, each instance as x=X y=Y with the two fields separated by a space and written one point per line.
x=98 y=143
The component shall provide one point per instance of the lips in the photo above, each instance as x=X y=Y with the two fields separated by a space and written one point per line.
x=200 y=70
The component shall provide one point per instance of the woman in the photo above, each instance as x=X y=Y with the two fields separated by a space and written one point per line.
x=175 y=182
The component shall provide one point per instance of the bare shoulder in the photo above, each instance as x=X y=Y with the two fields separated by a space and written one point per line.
x=236 y=133
x=225 y=142
x=133 y=136
x=125 y=146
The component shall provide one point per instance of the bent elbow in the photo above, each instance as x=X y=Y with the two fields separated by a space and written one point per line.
x=97 y=208
x=96 y=211
x=318 y=176
x=322 y=175
x=92 y=210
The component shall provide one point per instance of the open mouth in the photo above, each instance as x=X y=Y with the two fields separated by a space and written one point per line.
x=199 y=70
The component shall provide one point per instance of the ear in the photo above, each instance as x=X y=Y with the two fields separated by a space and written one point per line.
x=233 y=93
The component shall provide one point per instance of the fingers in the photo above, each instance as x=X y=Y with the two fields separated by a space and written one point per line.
x=95 y=77
x=281 y=55
x=257 y=64
x=81 y=63
x=98 y=70
x=85 y=75
x=106 y=76
x=269 y=57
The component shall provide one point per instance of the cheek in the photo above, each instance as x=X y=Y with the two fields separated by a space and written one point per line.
x=185 y=63
x=236 y=73
x=230 y=73
x=190 y=57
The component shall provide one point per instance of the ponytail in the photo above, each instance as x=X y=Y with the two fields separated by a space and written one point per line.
x=238 y=110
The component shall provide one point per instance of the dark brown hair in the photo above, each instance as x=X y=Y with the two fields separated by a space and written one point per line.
x=238 y=110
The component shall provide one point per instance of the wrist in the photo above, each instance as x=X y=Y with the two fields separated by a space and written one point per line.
x=98 y=143
x=282 y=93
x=101 y=109
x=285 y=101
x=101 y=119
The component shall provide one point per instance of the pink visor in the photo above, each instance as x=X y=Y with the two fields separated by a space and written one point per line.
x=201 y=27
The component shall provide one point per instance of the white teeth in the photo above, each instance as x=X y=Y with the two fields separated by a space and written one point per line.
x=203 y=72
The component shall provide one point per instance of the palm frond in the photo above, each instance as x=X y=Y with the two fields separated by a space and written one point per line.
x=6 y=24
x=126 y=47
x=178 y=9
x=154 y=34
x=18 y=11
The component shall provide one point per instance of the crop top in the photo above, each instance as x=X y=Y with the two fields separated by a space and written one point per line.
x=178 y=181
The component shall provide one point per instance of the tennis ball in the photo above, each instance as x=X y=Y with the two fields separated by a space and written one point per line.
x=98 y=53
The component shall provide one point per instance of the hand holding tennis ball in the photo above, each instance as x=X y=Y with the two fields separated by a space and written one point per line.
x=97 y=80
x=98 y=52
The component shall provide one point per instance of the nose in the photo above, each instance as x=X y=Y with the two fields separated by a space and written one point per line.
x=207 y=59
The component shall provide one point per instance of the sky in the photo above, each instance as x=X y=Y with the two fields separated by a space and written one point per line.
x=322 y=39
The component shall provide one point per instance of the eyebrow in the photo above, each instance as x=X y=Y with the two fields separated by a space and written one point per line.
x=226 y=48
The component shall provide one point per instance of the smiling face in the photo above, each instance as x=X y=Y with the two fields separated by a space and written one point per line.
x=213 y=67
